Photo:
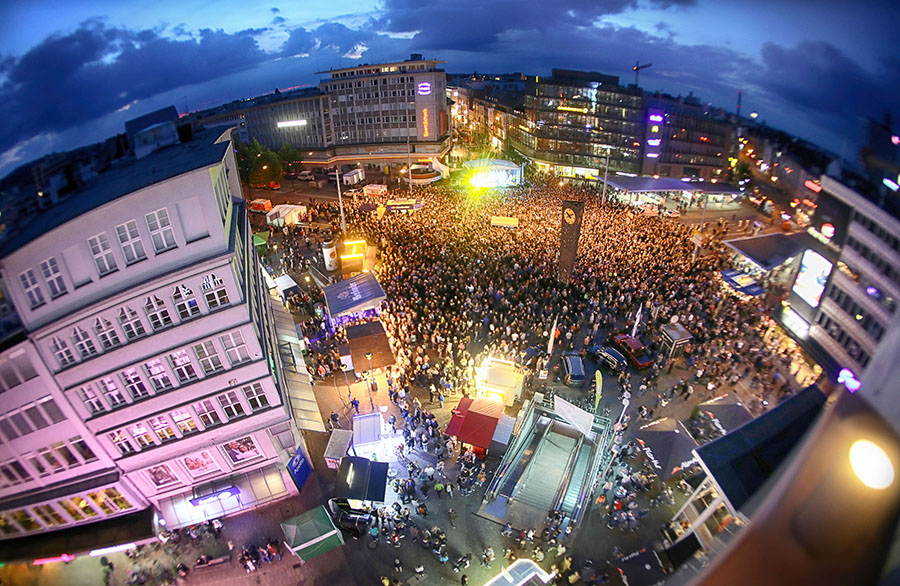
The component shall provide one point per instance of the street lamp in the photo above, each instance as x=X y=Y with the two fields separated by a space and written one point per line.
x=368 y=383
x=369 y=358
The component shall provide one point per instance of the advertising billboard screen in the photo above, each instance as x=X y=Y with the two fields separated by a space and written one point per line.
x=811 y=279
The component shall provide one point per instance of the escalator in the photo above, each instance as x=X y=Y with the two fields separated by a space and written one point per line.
x=514 y=474
x=577 y=479
x=540 y=485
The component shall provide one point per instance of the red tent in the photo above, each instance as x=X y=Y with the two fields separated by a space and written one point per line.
x=474 y=421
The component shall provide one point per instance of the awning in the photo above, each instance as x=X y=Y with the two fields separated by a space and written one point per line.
x=474 y=421
x=742 y=282
x=355 y=294
x=726 y=413
x=261 y=238
x=742 y=462
x=130 y=528
x=647 y=184
x=667 y=445
x=286 y=286
x=367 y=428
x=641 y=568
x=361 y=479
x=298 y=382
x=311 y=533
x=772 y=250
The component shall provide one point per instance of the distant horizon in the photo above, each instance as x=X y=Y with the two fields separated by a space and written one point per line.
x=71 y=78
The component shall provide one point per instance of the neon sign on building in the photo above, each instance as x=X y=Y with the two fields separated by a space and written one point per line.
x=426 y=131
x=424 y=88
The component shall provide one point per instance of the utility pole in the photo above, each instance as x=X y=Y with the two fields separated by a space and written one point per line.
x=637 y=69
x=606 y=174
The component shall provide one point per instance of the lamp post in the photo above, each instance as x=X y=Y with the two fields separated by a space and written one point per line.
x=369 y=358
x=337 y=175
x=369 y=384
x=606 y=174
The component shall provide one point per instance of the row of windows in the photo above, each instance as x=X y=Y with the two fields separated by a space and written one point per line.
x=847 y=342
x=106 y=336
x=374 y=120
x=866 y=321
x=106 y=501
x=31 y=417
x=159 y=375
x=875 y=228
x=202 y=415
x=162 y=237
x=878 y=261
x=57 y=457
x=371 y=82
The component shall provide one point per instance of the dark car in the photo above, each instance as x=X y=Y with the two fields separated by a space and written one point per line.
x=634 y=350
x=346 y=517
x=574 y=369
x=611 y=357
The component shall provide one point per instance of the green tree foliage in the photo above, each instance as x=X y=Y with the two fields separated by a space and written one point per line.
x=258 y=165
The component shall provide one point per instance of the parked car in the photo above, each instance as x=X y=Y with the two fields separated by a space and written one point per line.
x=634 y=350
x=649 y=209
x=611 y=357
x=305 y=175
x=574 y=369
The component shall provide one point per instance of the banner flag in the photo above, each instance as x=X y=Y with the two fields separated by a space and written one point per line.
x=598 y=392
x=573 y=211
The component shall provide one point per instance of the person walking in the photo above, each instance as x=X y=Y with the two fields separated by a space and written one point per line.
x=398 y=566
x=451 y=513
x=355 y=404
x=464 y=580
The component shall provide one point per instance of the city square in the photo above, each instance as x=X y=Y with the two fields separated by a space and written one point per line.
x=407 y=326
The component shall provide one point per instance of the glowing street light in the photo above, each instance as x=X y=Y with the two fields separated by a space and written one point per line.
x=871 y=465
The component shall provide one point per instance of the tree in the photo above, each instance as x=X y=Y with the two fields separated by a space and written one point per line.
x=267 y=169
x=248 y=156
x=289 y=156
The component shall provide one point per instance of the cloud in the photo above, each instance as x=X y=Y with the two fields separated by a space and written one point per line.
x=70 y=79
x=356 y=52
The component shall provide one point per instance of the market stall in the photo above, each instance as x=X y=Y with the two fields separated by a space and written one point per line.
x=361 y=479
x=286 y=287
x=337 y=448
x=311 y=534
x=474 y=421
x=499 y=380
x=356 y=294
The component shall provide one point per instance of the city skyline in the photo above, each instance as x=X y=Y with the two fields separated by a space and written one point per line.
x=795 y=67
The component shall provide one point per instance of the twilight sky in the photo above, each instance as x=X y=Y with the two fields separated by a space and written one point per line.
x=71 y=73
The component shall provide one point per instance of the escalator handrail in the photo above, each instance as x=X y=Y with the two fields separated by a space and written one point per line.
x=533 y=457
x=570 y=468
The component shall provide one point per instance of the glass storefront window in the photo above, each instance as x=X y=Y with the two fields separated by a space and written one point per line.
x=49 y=516
x=25 y=520
x=101 y=501
x=69 y=508
x=6 y=527
x=83 y=506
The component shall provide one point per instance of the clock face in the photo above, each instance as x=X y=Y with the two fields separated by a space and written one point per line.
x=569 y=215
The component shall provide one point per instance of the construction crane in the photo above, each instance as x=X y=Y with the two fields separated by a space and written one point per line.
x=637 y=70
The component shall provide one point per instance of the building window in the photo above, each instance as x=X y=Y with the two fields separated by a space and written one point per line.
x=91 y=400
x=131 y=323
x=61 y=350
x=36 y=417
x=65 y=455
x=25 y=520
x=134 y=384
x=130 y=241
x=51 y=459
x=14 y=473
x=214 y=292
x=161 y=233
x=121 y=441
x=71 y=510
x=53 y=277
x=83 y=343
x=181 y=364
x=6 y=527
x=8 y=430
x=142 y=435
x=49 y=515
x=31 y=288
x=185 y=303
x=18 y=418
x=209 y=359
x=102 y=253
x=184 y=421
x=52 y=410
x=112 y=392
x=207 y=413
x=256 y=397
x=235 y=348
x=157 y=313
x=157 y=374
x=163 y=428
x=81 y=447
x=106 y=333
x=110 y=500
x=38 y=465
x=82 y=506
x=231 y=405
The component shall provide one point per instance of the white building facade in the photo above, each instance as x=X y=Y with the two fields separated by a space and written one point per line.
x=152 y=341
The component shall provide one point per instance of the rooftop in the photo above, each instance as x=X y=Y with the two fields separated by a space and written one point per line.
x=127 y=177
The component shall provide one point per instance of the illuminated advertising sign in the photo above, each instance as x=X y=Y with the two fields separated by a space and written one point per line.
x=426 y=130
x=290 y=123
x=810 y=281
x=656 y=118
x=424 y=88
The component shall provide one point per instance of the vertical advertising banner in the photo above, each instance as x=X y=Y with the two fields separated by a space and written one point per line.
x=568 y=238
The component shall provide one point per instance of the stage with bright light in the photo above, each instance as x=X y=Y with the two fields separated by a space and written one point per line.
x=493 y=173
